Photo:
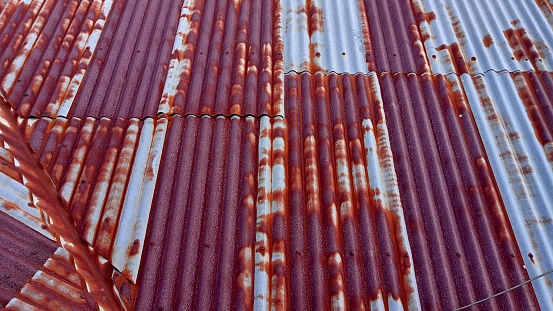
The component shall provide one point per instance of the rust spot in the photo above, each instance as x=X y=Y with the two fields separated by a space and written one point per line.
x=135 y=247
x=531 y=256
x=488 y=40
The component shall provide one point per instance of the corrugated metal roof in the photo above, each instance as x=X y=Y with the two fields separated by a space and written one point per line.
x=106 y=172
x=53 y=215
x=275 y=154
x=462 y=38
x=326 y=36
x=227 y=59
x=202 y=226
x=514 y=115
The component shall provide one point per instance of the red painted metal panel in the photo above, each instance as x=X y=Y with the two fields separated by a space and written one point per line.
x=200 y=239
x=463 y=245
x=234 y=54
x=395 y=40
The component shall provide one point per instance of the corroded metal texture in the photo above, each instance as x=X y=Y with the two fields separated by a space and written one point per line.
x=51 y=207
x=463 y=245
x=514 y=114
x=46 y=47
x=394 y=43
x=202 y=226
x=348 y=237
x=22 y=252
x=106 y=172
x=476 y=36
x=227 y=59
x=324 y=36
x=55 y=286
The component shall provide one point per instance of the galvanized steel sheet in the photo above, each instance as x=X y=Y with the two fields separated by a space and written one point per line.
x=514 y=116
x=477 y=36
x=324 y=36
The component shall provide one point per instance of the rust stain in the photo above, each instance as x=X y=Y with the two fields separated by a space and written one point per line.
x=530 y=100
x=488 y=40
x=522 y=46
x=458 y=60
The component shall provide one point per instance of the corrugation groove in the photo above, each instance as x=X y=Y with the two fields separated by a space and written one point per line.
x=128 y=71
x=461 y=254
x=106 y=172
x=477 y=36
x=22 y=252
x=202 y=226
x=46 y=49
x=347 y=245
x=513 y=112
x=394 y=37
x=232 y=57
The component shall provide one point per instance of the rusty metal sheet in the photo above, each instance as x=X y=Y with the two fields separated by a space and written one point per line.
x=324 y=36
x=22 y=252
x=55 y=286
x=348 y=244
x=200 y=244
x=393 y=42
x=463 y=245
x=106 y=172
x=57 y=221
x=46 y=47
x=477 y=36
x=227 y=59
x=514 y=114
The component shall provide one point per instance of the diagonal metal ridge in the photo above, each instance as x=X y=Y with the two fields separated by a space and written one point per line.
x=97 y=275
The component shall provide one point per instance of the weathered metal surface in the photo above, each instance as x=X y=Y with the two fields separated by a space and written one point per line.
x=348 y=246
x=513 y=113
x=46 y=47
x=227 y=59
x=57 y=221
x=22 y=252
x=126 y=76
x=55 y=286
x=463 y=245
x=201 y=239
x=476 y=36
x=393 y=42
x=324 y=36
x=106 y=172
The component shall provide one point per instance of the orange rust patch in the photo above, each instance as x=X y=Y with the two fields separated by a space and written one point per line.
x=521 y=45
x=488 y=40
